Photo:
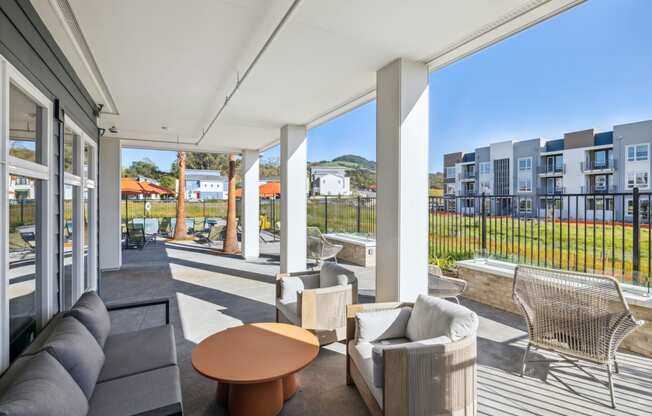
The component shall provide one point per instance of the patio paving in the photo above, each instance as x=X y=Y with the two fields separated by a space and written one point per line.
x=210 y=292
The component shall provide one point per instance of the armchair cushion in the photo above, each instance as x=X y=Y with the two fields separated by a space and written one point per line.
x=332 y=274
x=379 y=325
x=380 y=347
x=433 y=317
x=290 y=285
x=360 y=354
x=91 y=311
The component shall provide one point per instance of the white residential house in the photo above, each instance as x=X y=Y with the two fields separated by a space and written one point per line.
x=20 y=187
x=205 y=185
x=330 y=181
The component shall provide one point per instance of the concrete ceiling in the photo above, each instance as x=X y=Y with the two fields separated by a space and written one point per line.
x=167 y=63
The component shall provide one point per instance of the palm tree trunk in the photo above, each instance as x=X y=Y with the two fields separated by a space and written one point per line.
x=180 y=231
x=231 y=240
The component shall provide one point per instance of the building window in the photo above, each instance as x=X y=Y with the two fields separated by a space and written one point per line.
x=601 y=183
x=525 y=206
x=450 y=188
x=450 y=172
x=525 y=184
x=599 y=204
x=638 y=152
x=639 y=179
x=27 y=207
x=525 y=164
x=485 y=168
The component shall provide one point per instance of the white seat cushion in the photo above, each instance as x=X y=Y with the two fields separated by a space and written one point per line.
x=360 y=353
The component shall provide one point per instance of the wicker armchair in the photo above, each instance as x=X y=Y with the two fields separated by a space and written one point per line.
x=320 y=249
x=317 y=300
x=577 y=315
x=400 y=374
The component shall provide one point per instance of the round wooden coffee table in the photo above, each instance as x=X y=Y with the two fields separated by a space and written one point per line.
x=255 y=365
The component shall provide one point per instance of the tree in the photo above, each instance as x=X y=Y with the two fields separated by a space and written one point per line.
x=180 y=226
x=143 y=167
x=231 y=240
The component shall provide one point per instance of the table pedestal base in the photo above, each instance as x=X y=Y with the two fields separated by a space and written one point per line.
x=264 y=399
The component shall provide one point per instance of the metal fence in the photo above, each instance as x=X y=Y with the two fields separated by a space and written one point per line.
x=328 y=213
x=607 y=233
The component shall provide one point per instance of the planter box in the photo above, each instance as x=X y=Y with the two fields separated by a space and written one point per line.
x=356 y=249
x=490 y=282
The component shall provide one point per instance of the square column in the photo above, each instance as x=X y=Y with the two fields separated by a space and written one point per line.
x=110 y=204
x=402 y=176
x=250 y=204
x=294 y=157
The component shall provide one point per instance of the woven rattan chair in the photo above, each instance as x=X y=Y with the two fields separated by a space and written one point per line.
x=319 y=248
x=441 y=286
x=577 y=315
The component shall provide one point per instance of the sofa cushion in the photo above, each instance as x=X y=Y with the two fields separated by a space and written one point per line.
x=37 y=345
x=290 y=285
x=379 y=349
x=378 y=325
x=156 y=392
x=433 y=317
x=77 y=351
x=91 y=311
x=39 y=385
x=139 y=351
x=360 y=354
x=332 y=274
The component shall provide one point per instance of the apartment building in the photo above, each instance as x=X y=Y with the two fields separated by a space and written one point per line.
x=575 y=176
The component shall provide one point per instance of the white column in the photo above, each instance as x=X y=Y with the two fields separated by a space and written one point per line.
x=402 y=176
x=294 y=156
x=110 y=201
x=250 y=207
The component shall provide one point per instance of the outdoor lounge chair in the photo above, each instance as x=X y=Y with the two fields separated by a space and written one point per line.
x=319 y=248
x=576 y=315
x=317 y=300
x=136 y=236
x=28 y=235
x=441 y=286
x=413 y=359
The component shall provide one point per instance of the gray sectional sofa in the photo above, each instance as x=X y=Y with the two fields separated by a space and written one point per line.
x=76 y=367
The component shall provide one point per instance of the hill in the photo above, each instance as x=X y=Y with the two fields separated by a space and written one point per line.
x=355 y=161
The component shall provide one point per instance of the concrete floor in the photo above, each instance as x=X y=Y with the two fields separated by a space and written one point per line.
x=210 y=292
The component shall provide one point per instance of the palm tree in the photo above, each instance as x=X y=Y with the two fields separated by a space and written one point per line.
x=231 y=240
x=180 y=227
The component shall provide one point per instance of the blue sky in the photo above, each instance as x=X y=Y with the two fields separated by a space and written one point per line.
x=590 y=67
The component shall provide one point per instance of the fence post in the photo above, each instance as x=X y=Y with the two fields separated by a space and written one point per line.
x=22 y=209
x=325 y=214
x=483 y=214
x=357 y=216
x=636 y=244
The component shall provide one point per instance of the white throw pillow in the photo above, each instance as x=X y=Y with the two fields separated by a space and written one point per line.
x=433 y=317
x=378 y=325
x=332 y=274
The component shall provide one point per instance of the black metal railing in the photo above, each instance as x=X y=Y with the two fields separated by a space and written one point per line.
x=606 y=233
x=551 y=170
x=591 y=165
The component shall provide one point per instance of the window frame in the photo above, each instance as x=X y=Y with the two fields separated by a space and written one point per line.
x=44 y=171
